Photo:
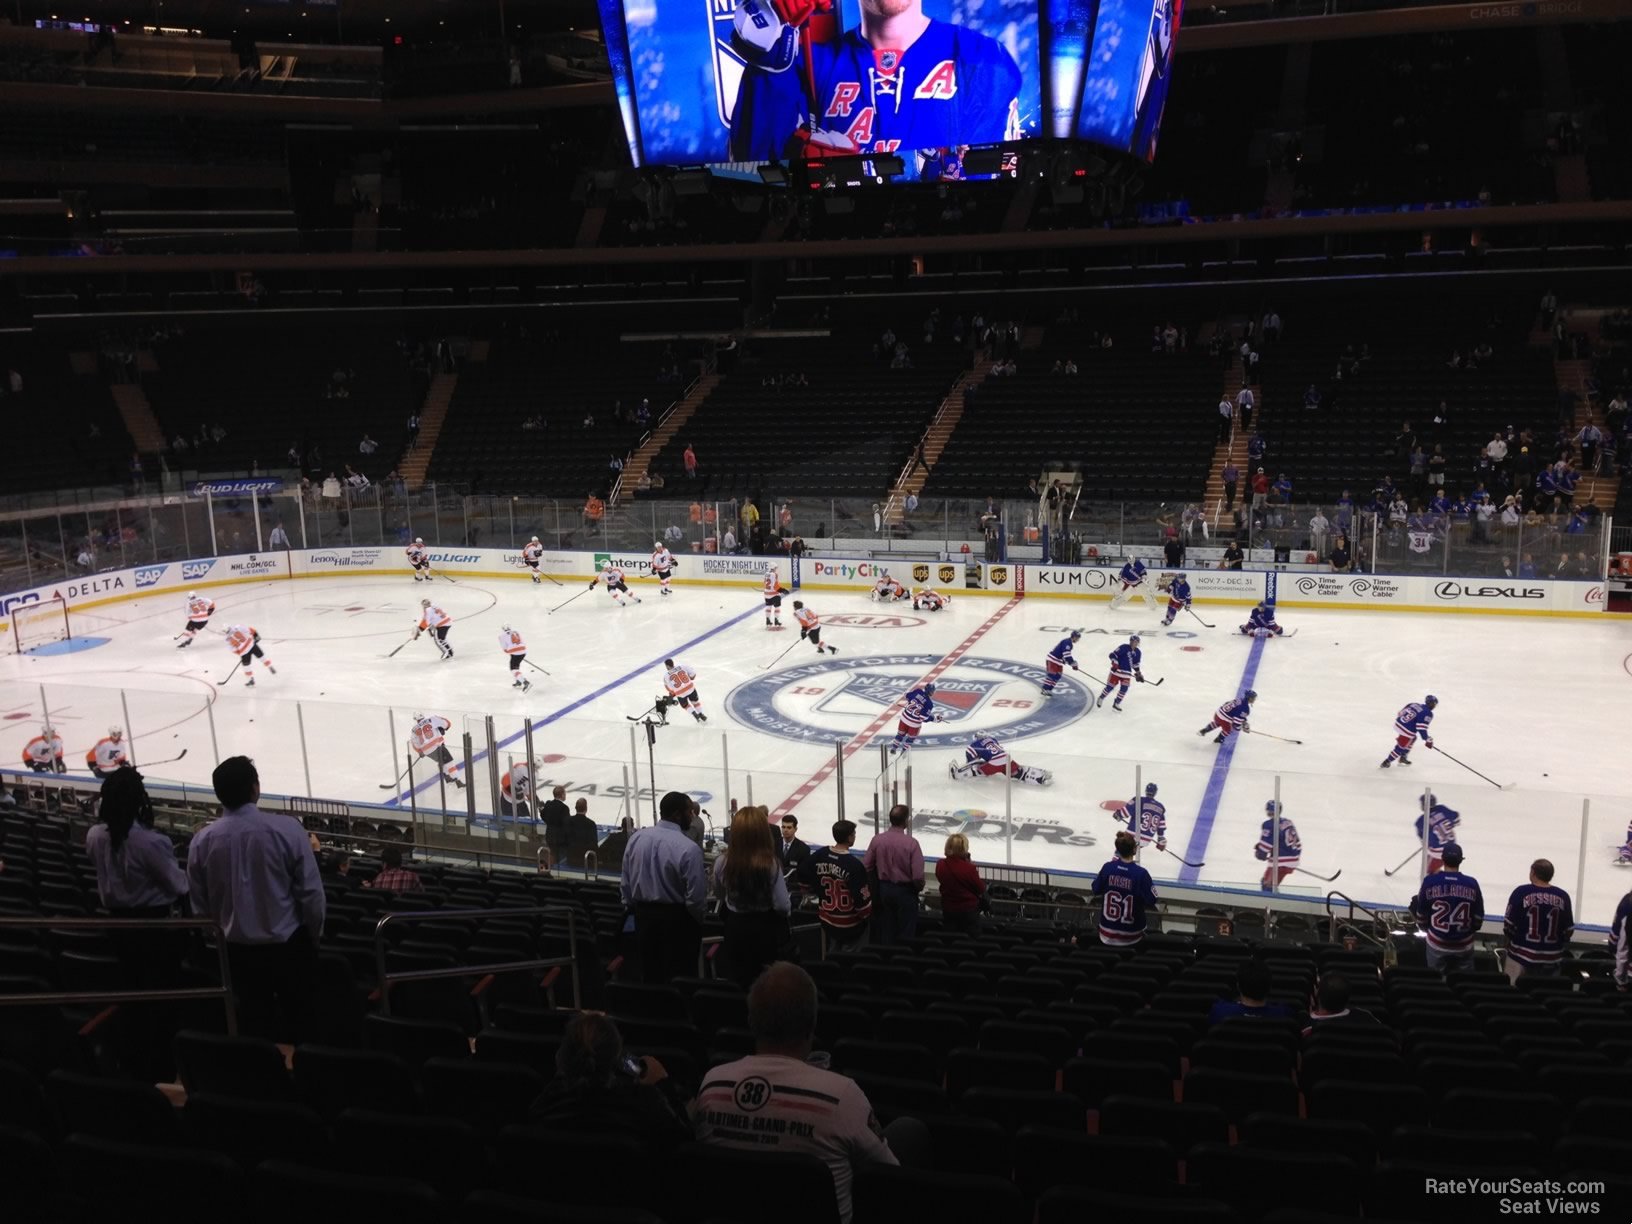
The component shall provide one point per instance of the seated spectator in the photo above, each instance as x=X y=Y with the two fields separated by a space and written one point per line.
x=797 y=1107
x=600 y=1089
x=1253 y=983
x=1331 y=1007
x=963 y=892
x=393 y=876
x=1342 y=559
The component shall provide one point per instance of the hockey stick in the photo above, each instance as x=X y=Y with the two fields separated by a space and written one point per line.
x=1290 y=633
x=440 y=574
x=524 y=568
x=1396 y=870
x=230 y=674
x=780 y=657
x=535 y=667
x=393 y=654
x=400 y=777
x=568 y=600
x=1204 y=624
x=166 y=761
x=1282 y=738
x=1317 y=874
x=1475 y=772
x=1155 y=683
x=1182 y=859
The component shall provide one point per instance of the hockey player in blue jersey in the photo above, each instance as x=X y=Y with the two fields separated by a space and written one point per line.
x=1178 y=598
x=1231 y=717
x=1281 y=855
x=985 y=757
x=1411 y=722
x=1126 y=895
x=1261 y=623
x=1146 y=818
x=1124 y=667
x=917 y=709
x=899 y=82
x=1133 y=578
x=1442 y=822
x=1058 y=660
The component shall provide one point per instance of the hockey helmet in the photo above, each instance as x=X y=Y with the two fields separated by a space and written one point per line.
x=1075 y=634
x=657 y=543
x=504 y=628
x=115 y=732
x=1178 y=577
x=424 y=603
x=797 y=604
x=1273 y=808
x=1430 y=701
x=607 y=564
x=47 y=730
x=417 y=540
x=534 y=540
x=1150 y=789
x=929 y=687
x=1132 y=638
x=192 y=594
x=1431 y=798
x=1252 y=695
x=419 y=716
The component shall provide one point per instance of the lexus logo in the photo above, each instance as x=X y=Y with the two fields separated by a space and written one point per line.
x=1455 y=590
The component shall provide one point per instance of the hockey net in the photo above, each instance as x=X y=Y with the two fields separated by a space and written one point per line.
x=39 y=624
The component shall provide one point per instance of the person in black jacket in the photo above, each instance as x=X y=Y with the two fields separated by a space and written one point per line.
x=581 y=835
x=554 y=815
x=795 y=854
x=601 y=1089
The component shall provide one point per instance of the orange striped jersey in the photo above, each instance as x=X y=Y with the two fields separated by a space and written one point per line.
x=681 y=681
x=773 y=585
x=514 y=784
x=434 y=617
x=42 y=749
x=427 y=734
x=532 y=552
x=240 y=638
x=109 y=753
x=806 y=618
x=612 y=575
x=417 y=553
x=199 y=608
x=510 y=642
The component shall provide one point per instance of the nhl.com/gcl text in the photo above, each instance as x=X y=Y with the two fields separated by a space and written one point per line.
x=1516 y=1196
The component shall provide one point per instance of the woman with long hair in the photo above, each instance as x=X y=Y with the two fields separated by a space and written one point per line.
x=963 y=892
x=749 y=880
x=136 y=871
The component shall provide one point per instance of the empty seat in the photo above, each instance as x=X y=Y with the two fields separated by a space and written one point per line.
x=888 y=1195
x=330 y=1080
x=486 y=1095
x=233 y=1066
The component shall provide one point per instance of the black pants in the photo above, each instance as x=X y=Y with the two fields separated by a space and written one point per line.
x=967 y=923
x=895 y=913
x=752 y=941
x=669 y=940
x=274 y=985
x=1229 y=495
x=148 y=960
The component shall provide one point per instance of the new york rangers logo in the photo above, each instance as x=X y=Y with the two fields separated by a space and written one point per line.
x=955 y=699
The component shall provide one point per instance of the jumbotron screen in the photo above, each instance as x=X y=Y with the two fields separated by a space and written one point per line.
x=711 y=81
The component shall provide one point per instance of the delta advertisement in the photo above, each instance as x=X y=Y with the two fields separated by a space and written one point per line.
x=753 y=81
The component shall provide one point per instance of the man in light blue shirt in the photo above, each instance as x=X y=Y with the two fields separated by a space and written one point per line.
x=256 y=875
x=665 y=887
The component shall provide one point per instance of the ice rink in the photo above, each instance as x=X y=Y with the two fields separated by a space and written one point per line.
x=1543 y=704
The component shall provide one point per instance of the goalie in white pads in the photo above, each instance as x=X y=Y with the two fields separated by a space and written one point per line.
x=986 y=758
x=1136 y=584
x=662 y=564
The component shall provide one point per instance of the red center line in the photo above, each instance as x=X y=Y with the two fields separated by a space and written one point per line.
x=864 y=737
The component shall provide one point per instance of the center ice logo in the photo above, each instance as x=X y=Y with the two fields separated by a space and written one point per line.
x=835 y=698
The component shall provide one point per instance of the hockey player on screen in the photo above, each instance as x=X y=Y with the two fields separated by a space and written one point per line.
x=985 y=757
x=1411 y=722
x=899 y=82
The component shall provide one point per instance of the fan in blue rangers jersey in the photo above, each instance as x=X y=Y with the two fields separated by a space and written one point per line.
x=899 y=82
x=1538 y=923
x=985 y=757
x=1620 y=941
x=1146 y=818
x=1451 y=909
x=1133 y=577
x=1124 y=667
x=1058 y=660
x=1231 y=717
x=1442 y=822
x=1126 y=894
x=1412 y=722
x=917 y=709
x=1261 y=623
x=1178 y=598
x=1282 y=858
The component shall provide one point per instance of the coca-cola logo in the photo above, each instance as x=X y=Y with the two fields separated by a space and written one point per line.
x=1595 y=595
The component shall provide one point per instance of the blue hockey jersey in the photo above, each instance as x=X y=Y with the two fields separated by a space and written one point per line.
x=1126 y=893
x=951 y=87
x=985 y=748
x=1146 y=819
x=1061 y=654
x=1261 y=617
x=1451 y=908
x=1133 y=572
x=1414 y=719
x=918 y=709
x=1179 y=592
x=1290 y=848
x=1125 y=658
x=1442 y=822
x=1539 y=922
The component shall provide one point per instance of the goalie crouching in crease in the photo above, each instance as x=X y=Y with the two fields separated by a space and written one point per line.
x=898 y=82
x=986 y=758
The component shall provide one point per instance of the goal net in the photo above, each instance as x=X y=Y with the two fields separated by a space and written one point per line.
x=39 y=624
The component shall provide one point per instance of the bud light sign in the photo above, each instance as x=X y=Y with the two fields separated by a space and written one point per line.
x=236 y=488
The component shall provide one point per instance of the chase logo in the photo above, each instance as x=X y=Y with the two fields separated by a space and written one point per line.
x=191 y=571
x=833 y=699
x=146 y=576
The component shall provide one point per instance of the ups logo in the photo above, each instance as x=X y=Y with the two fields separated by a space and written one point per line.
x=920 y=573
x=999 y=575
x=946 y=573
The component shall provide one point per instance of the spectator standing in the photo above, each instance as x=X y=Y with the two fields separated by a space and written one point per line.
x=844 y=894
x=1232 y=476
x=256 y=876
x=776 y=1100
x=1253 y=984
x=1173 y=552
x=689 y=458
x=553 y=816
x=1260 y=489
x=581 y=835
x=1539 y=923
x=1126 y=895
x=1245 y=402
x=1226 y=418
x=413 y=429
x=393 y=876
x=1319 y=525
x=279 y=537
x=1451 y=909
x=896 y=860
x=664 y=885
x=600 y=1089
x=794 y=854
x=748 y=878
x=963 y=892
x=1232 y=556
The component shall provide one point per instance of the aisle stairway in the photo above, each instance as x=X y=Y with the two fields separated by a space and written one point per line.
x=641 y=461
x=1235 y=449
x=416 y=462
x=933 y=442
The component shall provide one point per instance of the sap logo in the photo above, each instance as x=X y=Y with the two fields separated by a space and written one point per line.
x=148 y=575
x=16 y=601
x=456 y=558
x=192 y=571
x=1455 y=590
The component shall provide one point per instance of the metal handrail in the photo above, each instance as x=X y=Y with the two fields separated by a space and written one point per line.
x=73 y=998
x=1332 y=919
x=386 y=978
